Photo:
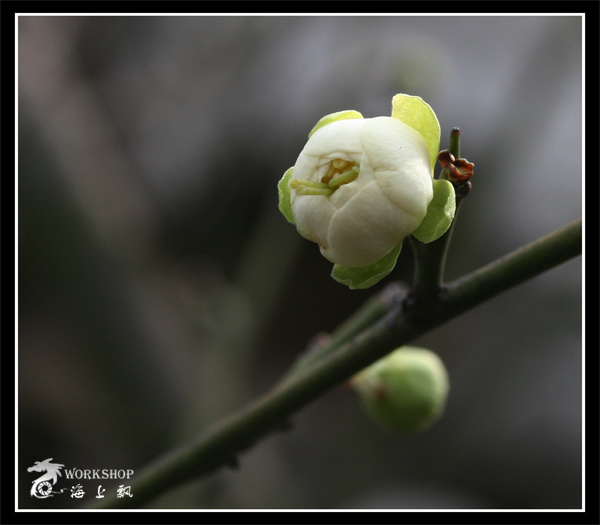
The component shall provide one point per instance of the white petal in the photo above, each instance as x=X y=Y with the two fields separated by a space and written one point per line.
x=367 y=228
x=400 y=161
x=342 y=136
x=313 y=214
x=338 y=140
x=305 y=168
x=347 y=191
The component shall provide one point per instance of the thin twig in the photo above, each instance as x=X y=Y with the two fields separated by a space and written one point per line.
x=221 y=444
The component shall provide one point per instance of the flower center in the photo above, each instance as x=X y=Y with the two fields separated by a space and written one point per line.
x=340 y=172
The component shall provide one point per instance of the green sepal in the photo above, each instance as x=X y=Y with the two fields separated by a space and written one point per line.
x=440 y=213
x=285 y=196
x=415 y=112
x=333 y=117
x=366 y=276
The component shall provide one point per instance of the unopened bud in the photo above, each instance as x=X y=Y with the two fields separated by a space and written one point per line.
x=405 y=390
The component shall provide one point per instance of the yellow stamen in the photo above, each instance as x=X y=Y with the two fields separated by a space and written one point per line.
x=339 y=164
x=344 y=178
x=330 y=173
x=333 y=179
x=304 y=190
x=295 y=183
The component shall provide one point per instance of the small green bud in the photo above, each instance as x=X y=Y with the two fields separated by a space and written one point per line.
x=405 y=390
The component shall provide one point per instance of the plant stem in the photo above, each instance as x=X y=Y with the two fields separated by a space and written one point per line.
x=430 y=259
x=454 y=148
x=220 y=444
x=373 y=310
x=514 y=268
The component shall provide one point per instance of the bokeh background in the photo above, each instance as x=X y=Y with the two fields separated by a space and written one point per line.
x=160 y=289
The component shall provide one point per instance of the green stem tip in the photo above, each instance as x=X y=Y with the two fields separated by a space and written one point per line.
x=455 y=142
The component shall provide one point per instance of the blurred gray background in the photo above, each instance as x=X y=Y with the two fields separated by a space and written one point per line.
x=160 y=289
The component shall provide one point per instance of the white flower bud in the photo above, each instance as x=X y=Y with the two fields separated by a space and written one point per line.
x=360 y=186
